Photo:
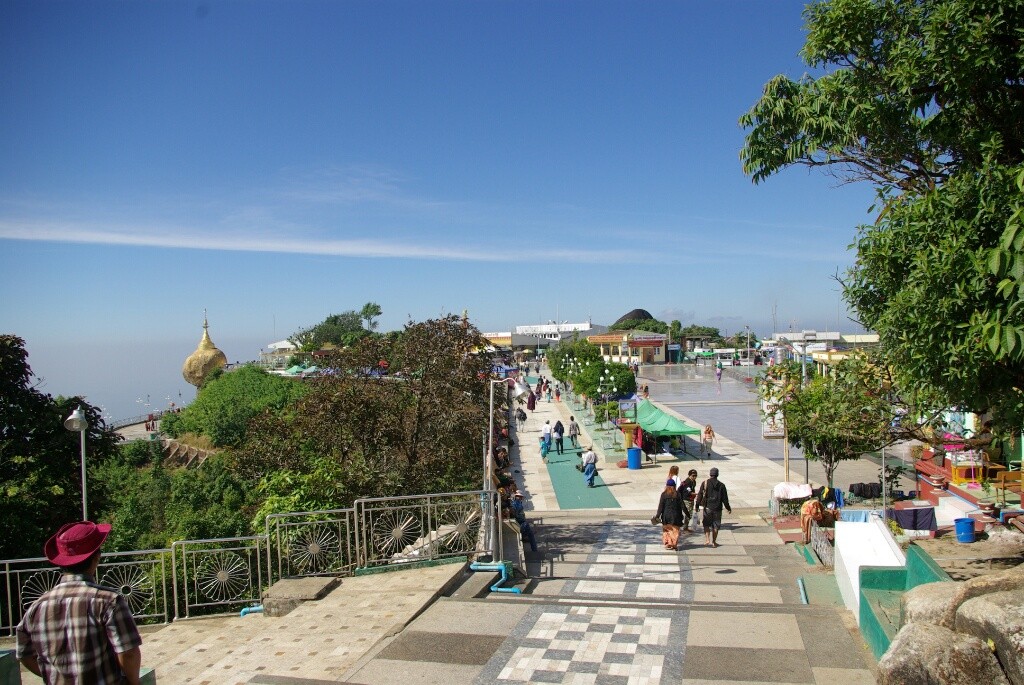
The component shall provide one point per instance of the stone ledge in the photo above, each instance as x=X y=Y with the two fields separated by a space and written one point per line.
x=284 y=595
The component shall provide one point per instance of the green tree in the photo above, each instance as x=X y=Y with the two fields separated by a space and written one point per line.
x=649 y=325
x=926 y=101
x=40 y=485
x=695 y=331
x=337 y=330
x=360 y=433
x=564 y=358
x=597 y=380
x=369 y=314
x=833 y=418
x=152 y=505
x=228 y=401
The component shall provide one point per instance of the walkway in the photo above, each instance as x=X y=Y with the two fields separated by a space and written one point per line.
x=605 y=604
x=749 y=464
x=608 y=605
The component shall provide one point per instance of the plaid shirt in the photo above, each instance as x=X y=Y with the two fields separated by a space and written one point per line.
x=76 y=630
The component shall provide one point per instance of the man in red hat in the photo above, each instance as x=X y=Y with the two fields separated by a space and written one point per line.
x=80 y=632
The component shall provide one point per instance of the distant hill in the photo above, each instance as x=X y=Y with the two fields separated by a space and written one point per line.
x=635 y=315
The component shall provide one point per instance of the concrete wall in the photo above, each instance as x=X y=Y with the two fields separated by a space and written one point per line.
x=861 y=544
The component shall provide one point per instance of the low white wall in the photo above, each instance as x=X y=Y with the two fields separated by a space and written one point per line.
x=862 y=544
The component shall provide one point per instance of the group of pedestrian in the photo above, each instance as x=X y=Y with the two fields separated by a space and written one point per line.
x=552 y=435
x=682 y=499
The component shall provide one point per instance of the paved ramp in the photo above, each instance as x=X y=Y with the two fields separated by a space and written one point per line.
x=608 y=605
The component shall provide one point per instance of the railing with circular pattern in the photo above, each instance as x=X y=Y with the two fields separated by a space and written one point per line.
x=203 y=576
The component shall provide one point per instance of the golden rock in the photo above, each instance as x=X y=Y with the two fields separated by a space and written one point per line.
x=204 y=360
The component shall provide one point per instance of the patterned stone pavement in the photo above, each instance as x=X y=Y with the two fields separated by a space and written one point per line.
x=608 y=605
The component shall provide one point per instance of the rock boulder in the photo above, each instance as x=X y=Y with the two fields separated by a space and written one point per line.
x=928 y=603
x=998 y=617
x=926 y=654
x=1011 y=579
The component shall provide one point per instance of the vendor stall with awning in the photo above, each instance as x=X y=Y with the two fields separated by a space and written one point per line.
x=661 y=424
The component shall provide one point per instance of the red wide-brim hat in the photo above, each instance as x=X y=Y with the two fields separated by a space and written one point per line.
x=75 y=542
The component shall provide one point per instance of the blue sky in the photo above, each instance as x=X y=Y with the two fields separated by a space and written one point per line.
x=276 y=162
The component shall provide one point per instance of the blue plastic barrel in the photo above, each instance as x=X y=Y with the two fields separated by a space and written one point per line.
x=964 y=530
x=633 y=458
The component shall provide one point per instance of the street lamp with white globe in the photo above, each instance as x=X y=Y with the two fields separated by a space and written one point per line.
x=77 y=423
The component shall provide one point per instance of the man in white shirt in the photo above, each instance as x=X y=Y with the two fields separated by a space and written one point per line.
x=589 y=458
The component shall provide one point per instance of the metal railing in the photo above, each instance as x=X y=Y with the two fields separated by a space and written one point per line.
x=396 y=530
x=223 y=572
x=209 y=576
x=822 y=545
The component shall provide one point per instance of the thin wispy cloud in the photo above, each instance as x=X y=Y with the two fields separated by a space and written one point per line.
x=177 y=238
x=354 y=185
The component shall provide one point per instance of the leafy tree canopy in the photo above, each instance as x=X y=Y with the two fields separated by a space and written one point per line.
x=359 y=432
x=339 y=330
x=926 y=101
x=650 y=325
x=833 y=418
x=226 y=403
x=564 y=357
x=40 y=485
x=695 y=331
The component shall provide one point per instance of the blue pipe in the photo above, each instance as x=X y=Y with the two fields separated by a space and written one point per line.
x=258 y=609
x=803 y=590
x=506 y=571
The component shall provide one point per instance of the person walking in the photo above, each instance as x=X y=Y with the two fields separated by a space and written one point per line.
x=687 y=493
x=673 y=475
x=80 y=632
x=520 y=419
x=707 y=438
x=670 y=513
x=574 y=432
x=559 y=432
x=713 y=496
x=531 y=402
x=589 y=458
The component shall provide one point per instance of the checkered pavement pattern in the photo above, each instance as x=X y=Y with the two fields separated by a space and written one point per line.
x=592 y=646
x=605 y=645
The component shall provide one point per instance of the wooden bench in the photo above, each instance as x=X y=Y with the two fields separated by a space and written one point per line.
x=1007 y=480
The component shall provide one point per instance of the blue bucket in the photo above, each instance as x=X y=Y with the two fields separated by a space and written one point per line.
x=964 y=530
x=633 y=458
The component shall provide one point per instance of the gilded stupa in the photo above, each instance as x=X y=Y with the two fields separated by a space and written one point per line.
x=204 y=360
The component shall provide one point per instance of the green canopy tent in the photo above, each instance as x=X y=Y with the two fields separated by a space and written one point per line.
x=661 y=424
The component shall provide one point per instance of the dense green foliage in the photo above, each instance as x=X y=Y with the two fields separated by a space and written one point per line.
x=564 y=357
x=338 y=330
x=151 y=505
x=925 y=99
x=695 y=331
x=289 y=445
x=579 y=363
x=228 y=401
x=650 y=325
x=359 y=433
x=835 y=417
x=40 y=483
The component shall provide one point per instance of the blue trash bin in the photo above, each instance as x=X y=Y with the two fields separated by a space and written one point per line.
x=964 y=530
x=633 y=458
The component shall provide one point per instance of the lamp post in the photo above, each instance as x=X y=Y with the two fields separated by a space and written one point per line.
x=78 y=423
x=607 y=379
